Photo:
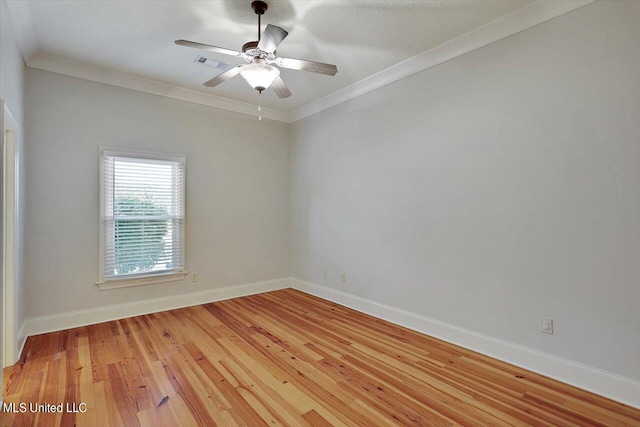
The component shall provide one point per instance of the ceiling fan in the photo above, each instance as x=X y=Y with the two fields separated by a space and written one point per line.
x=260 y=71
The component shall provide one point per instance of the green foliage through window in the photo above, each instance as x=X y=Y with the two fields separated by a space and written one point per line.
x=139 y=242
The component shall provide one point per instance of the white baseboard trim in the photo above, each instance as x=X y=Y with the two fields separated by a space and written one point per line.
x=74 y=319
x=22 y=340
x=616 y=387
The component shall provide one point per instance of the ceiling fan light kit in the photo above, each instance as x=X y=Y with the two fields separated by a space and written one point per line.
x=259 y=75
x=261 y=72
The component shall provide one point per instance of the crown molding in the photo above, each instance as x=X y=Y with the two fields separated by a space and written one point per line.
x=515 y=22
x=115 y=78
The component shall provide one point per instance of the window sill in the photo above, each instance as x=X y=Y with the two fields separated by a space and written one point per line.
x=141 y=281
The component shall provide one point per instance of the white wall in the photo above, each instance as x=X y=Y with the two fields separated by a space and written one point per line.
x=237 y=183
x=491 y=191
x=12 y=71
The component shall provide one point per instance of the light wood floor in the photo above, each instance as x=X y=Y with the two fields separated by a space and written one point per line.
x=283 y=358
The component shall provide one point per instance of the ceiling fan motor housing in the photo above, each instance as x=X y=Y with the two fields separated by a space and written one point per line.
x=251 y=52
x=249 y=46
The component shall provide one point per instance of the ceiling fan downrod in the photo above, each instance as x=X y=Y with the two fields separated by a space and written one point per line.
x=259 y=7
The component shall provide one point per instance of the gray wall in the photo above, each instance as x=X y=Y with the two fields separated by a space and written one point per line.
x=237 y=200
x=491 y=191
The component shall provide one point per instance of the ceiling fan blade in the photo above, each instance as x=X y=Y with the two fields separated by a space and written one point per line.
x=223 y=76
x=208 y=47
x=281 y=89
x=301 y=64
x=271 y=38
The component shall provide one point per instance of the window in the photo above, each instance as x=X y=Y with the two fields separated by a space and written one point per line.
x=141 y=218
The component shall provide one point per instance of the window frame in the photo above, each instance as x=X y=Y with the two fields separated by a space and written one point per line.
x=146 y=278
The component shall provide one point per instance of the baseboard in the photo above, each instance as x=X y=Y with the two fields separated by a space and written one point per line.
x=607 y=384
x=22 y=340
x=74 y=319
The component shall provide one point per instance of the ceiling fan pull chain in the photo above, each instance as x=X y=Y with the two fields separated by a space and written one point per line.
x=259 y=106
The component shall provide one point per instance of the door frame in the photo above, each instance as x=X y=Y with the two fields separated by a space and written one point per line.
x=9 y=130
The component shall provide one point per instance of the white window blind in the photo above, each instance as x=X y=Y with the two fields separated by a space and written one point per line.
x=142 y=215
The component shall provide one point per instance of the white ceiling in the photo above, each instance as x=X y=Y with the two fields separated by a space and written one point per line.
x=360 y=37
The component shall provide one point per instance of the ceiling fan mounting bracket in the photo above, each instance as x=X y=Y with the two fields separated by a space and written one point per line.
x=259 y=7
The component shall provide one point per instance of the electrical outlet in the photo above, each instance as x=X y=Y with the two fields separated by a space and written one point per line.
x=194 y=277
x=546 y=326
x=344 y=277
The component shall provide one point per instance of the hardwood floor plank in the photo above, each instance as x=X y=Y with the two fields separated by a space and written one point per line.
x=122 y=395
x=189 y=393
x=282 y=358
x=106 y=413
x=274 y=412
x=85 y=385
x=315 y=419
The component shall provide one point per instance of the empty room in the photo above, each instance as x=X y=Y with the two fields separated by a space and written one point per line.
x=320 y=213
